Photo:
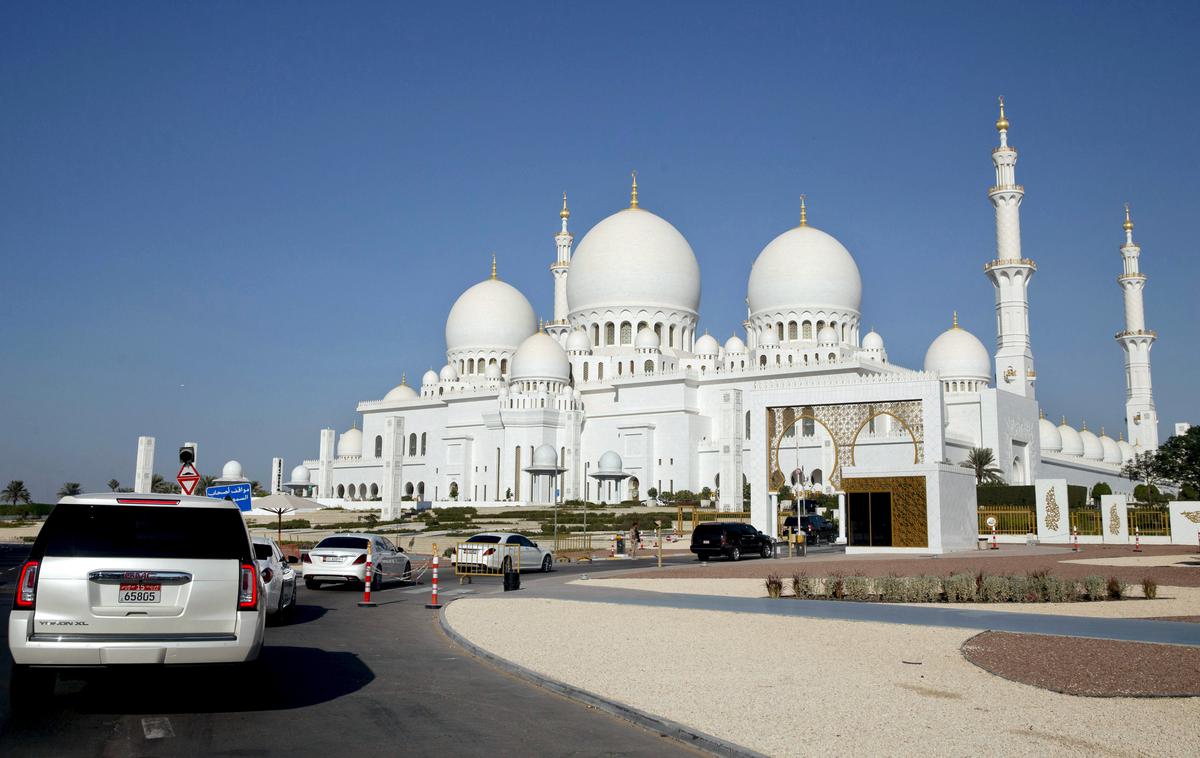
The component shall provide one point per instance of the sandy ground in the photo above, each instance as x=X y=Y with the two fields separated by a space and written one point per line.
x=1189 y=560
x=870 y=701
x=1171 y=601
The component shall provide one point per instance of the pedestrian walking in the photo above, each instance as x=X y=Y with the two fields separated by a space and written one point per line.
x=635 y=537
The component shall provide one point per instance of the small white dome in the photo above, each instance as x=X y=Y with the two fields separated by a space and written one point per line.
x=350 y=442
x=401 y=392
x=646 y=339
x=429 y=379
x=707 y=345
x=578 y=341
x=300 y=475
x=492 y=371
x=232 y=470
x=958 y=354
x=872 y=341
x=804 y=268
x=734 y=345
x=1092 y=449
x=490 y=315
x=610 y=463
x=633 y=258
x=1112 y=453
x=1072 y=444
x=768 y=339
x=541 y=357
x=1052 y=441
x=449 y=373
x=544 y=456
x=827 y=336
x=1127 y=451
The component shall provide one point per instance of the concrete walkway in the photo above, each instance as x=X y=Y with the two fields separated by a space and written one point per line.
x=1165 y=632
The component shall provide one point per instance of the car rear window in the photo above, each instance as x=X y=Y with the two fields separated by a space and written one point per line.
x=356 y=543
x=489 y=538
x=132 y=531
x=262 y=552
x=705 y=529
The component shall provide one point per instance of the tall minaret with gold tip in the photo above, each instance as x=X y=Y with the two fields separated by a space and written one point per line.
x=559 y=328
x=1010 y=273
x=1136 y=340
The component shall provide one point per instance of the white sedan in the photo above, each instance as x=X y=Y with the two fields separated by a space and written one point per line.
x=494 y=552
x=279 y=578
x=342 y=558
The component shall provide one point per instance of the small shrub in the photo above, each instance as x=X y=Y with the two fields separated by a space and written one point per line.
x=1056 y=590
x=857 y=587
x=891 y=589
x=1094 y=587
x=1023 y=589
x=924 y=589
x=803 y=586
x=995 y=589
x=1149 y=588
x=834 y=587
x=960 y=588
x=774 y=586
x=1115 y=589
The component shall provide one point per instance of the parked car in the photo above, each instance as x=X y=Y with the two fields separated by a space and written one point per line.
x=342 y=558
x=118 y=579
x=499 y=551
x=279 y=578
x=815 y=528
x=731 y=539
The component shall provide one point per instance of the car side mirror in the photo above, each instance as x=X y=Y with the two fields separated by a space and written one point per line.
x=292 y=559
x=399 y=550
x=535 y=544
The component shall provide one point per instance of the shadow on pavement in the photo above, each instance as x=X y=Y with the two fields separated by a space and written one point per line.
x=301 y=614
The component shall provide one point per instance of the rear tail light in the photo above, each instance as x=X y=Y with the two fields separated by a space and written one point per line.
x=724 y=540
x=267 y=574
x=490 y=551
x=306 y=558
x=27 y=586
x=360 y=560
x=248 y=588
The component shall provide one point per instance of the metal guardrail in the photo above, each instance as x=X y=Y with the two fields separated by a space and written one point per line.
x=1016 y=519
x=694 y=516
x=485 y=558
x=1149 y=522
x=1089 y=523
x=573 y=543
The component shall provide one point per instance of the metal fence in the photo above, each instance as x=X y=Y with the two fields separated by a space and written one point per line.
x=1149 y=522
x=690 y=516
x=573 y=543
x=485 y=558
x=1089 y=523
x=1010 y=519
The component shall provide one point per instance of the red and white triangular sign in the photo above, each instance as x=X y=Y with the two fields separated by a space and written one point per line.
x=187 y=478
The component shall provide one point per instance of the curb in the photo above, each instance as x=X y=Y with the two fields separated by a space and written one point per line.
x=691 y=737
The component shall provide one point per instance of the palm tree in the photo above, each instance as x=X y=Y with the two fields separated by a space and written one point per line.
x=161 y=486
x=70 y=488
x=983 y=461
x=113 y=485
x=15 y=492
x=206 y=481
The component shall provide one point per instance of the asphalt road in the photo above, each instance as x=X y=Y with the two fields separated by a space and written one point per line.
x=338 y=680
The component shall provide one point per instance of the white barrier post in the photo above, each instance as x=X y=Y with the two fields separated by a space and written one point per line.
x=1075 y=533
x=366 y=601
x=434 y=604
x=1137 y=539
x=995 y=544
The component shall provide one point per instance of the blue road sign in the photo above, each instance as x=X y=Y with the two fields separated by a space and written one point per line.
x=238 y=493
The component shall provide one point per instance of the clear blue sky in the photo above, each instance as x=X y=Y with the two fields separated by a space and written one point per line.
x=228 y=222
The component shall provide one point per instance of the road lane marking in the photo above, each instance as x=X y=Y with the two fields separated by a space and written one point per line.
x=157 y=728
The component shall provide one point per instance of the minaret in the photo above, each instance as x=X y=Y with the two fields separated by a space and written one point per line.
x=1010 y=273
x=1136 y=341
x=559 y=327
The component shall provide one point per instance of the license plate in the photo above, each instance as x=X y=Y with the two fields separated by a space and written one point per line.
x=330 y=559
x=140 y=593
x=707 y=541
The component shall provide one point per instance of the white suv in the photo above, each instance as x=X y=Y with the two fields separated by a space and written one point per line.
x=118 y=579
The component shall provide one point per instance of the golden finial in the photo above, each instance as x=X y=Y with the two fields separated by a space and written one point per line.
x=1042 y=413
x=493 y=265
x=403 y=377
x=1084 y=429
x=1121 y=436
x=633 y=203
x=564 y=213
x=1101 y=431
x=1002 y=122
x=803 y=212
x=955 y=324
x=1064 y=421
x=1128 y=225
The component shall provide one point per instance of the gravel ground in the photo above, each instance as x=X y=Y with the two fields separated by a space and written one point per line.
x=879 y=689
x=1017 y=560
x=1171 y=601
x=1189 y=560
x=1068 y=664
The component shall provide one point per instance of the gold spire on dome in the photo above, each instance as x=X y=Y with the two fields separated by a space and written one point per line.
x=955 y=324
x=1128 y=225
x=1120 y=436
x=803 y=212
x=565 y=213
x=633 y=203
x=1084 y=426
x=1102 y=431
x=1002 y=122
x=493 y=265
x=1042 y=413
x=1064 y=421
x=403 y=378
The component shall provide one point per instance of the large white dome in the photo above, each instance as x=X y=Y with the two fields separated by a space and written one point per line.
x=734 y=345
x=635 y=259
x=232 y=470
x=804 y=268
x=610 y=463
x=1112 y=453
x=545 y=457
x=300 y=475
x=1050 y=438
x=1127 y=451
x=958 y=354
x=401 y=392
x=541 y=357
x=707 y=345
x=872 y=341
x=1092 y=449
x=578 y=341
x=350 y=442
x=1072 y=444
x=492 y=314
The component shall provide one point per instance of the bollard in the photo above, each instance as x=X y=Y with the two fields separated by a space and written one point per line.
x=434 y=604
x=658 y=540
x=1137 y=540
x=366 y=601
x=995 y=545
x=1075 y=532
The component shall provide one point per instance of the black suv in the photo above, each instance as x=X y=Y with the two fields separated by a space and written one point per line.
x=815 y=528
x=730 y=539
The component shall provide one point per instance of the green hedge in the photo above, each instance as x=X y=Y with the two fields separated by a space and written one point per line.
x=1023 y=494
x=26 y=509
x=1036 y=587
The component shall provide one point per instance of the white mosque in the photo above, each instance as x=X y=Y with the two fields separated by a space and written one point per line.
x=619 y=393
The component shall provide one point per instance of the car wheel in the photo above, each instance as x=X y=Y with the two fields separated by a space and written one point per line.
x=701 y=557
x=547 y=565
x=376 y=580
x=766 y=551
x=735 y=554
x=312 y=584
x=407 y=571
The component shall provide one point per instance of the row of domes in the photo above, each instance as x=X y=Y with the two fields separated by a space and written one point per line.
x=1066 y=440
